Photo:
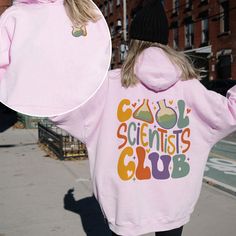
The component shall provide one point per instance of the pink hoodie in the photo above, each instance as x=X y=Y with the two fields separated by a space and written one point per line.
x=148 y=144
x=44 y=69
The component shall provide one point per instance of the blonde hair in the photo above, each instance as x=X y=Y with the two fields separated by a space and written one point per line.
x=81 y=11
x=179 y=59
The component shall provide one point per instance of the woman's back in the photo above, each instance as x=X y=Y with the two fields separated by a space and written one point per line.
x=148 y=146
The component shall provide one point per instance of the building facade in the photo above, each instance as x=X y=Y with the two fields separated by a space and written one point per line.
x=4 y=4
x=114 y=12
x=205 y=29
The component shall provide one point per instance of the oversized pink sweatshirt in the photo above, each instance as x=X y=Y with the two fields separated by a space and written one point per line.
x=45 y=67
x=148 y=144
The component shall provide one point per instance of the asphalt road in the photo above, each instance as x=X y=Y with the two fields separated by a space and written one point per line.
x=221 y=165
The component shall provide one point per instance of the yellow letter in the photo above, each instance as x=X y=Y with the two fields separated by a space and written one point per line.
x=143 y=134
x=171 y=145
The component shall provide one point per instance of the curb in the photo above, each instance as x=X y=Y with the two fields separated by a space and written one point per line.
x=224 y=187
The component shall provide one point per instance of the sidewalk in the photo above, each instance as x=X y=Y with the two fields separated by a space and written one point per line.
x=33 y=186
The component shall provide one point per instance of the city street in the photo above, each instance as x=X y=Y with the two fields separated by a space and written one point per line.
x=221 y=165
x=35 y=190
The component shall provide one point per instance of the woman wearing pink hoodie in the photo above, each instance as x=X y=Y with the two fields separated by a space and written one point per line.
x=149 y=129
x=54 y=54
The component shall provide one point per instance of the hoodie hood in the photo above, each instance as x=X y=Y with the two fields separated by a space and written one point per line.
x=154 y=69
x=36 y=1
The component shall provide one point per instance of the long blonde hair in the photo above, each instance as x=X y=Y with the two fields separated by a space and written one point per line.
x=177 y=58
x=81 y=11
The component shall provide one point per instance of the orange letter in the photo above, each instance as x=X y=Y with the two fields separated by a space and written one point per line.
x=121 y=136
x=187 y=142
x=142 y=172
x=162 y=131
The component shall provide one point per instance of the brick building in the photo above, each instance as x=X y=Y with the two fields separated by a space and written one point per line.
x=205 y=29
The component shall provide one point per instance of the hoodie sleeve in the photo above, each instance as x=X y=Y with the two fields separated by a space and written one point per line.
x=72 y=122
x=216 y=111
x=83 y=121
x=7 y=27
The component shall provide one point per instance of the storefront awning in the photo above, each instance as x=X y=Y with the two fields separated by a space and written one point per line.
x=206 y=49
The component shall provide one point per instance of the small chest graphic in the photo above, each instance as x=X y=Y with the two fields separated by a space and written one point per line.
x=79 y=31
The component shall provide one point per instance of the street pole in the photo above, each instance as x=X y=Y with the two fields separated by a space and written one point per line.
x=125 y=20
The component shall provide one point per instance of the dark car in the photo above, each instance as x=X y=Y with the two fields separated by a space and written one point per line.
x=220 y=85
x=8 y=117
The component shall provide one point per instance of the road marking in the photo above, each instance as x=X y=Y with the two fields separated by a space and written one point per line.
x=225 y=166
x=227 y=142
x=82 y=180
x=222 y=157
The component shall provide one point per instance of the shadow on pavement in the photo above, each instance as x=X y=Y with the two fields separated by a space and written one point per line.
x=90 y=212
x=8 y=117
x=16 y=145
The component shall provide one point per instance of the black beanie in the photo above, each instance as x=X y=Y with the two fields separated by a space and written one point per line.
x=150 y=24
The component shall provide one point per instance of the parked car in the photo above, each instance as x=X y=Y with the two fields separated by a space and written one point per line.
x=220 y=85
x=8 y=117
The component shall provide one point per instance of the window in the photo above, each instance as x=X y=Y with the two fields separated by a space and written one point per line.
x=189 y=35
x=223 y=66
x=123 y=52
x=175 y=10
x=106 y=10
x=203 y=2
x=175 y=38
x=127 y=24
x=112 y=29
x=188 y=4
x=224 y=19
x=204 y=16
x=111 y=6
x=113 y=58
x=119 y=26
x=205 y=31
x=175 y=30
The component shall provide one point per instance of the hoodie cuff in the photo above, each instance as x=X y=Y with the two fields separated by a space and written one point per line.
x=231 y=93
